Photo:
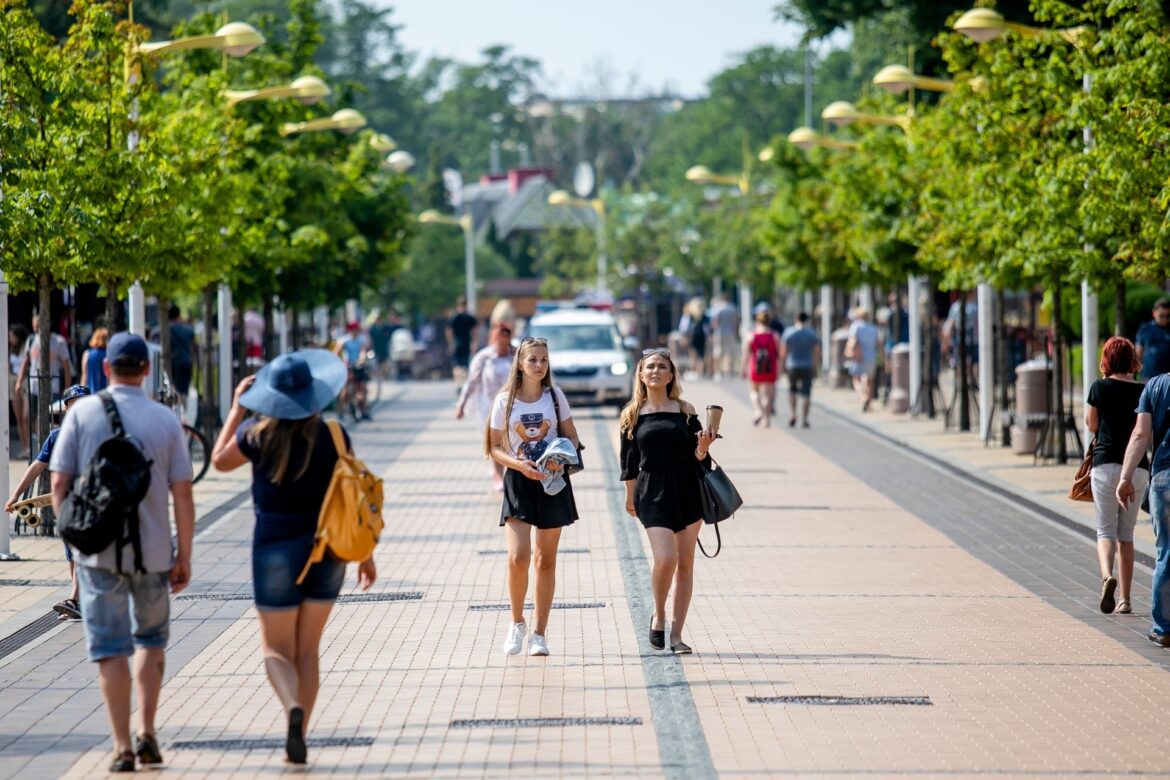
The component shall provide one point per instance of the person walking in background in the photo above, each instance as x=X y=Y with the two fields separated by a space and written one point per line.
x=461 y=329
x=93 y=373
x=124 y=604
x=694 y=326
x=526 y=416
x=761 y=366
x=184 y=351
x=1110 y=415
x=1153 y=341
x=486 y=377
x=662 y=445
x=292 y=452
x=861 y=355
x=353 y=349
x=60 y=368
x=725 y=333
x=800 y=350
x=17 y=346
x=69 y=608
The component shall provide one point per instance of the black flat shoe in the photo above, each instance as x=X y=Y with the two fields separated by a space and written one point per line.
x=680 y=648
x=294 y=746
x=657 y=638
x=147 y=750
x=123 y=762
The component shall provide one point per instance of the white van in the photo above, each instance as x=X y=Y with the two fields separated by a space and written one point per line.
x=590 y=363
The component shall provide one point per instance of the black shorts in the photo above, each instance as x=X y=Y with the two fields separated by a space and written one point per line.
x=800 y=381
x=525 y=500
x=360 y=373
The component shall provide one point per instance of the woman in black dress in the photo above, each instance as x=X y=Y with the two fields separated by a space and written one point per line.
x=662 y=446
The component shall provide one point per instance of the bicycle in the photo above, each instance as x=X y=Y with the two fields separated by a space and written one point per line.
x=197 y=445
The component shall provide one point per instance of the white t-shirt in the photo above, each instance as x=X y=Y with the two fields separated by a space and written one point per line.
x=531 y=426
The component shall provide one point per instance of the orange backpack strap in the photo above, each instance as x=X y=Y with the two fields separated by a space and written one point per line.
x=338 y=437
x=321 y=542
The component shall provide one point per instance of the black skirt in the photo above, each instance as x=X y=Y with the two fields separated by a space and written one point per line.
x=525 y=500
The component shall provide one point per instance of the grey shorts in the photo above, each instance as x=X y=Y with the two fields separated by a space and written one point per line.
x=1113 y=522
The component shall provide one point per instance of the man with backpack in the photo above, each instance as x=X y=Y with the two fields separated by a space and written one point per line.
x=118 y=459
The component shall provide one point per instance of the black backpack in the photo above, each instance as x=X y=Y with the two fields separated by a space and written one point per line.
x=101 y=507
x=763 y=360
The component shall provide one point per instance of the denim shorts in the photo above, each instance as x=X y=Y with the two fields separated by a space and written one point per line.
x=123 y=611
x=277 y=563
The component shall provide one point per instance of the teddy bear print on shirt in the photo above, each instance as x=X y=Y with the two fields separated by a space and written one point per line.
x=532 y=429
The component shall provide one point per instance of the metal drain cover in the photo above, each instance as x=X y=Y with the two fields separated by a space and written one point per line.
x=42 y=625
x=556 y=605
x=843 y=701
x=528 y=723
x=348 y=598
x=268 y=744
x=34 y=583
x=562 y=551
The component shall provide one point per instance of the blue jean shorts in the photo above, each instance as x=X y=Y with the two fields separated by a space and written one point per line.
x=277 y=563
x=123 y=611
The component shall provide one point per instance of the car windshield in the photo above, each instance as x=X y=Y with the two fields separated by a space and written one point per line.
x=578 y=337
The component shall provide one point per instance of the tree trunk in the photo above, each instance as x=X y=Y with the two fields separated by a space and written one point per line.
x=962 y=375
x=930 y=372
x=44 y=372
x=242 y=343
x=1056 y=427
x=112 y=306
x=1003 y=356
x=209 y=416
x=164 y=336
x=295 y=326
x=1119 y=310
x=270 y=347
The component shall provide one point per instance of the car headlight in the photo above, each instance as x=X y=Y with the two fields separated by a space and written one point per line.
x=619 y=369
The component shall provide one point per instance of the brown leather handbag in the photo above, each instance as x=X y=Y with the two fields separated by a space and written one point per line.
x=1082 y=488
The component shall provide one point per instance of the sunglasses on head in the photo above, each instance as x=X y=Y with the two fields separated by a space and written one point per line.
x=535 y=340
x=656 y=351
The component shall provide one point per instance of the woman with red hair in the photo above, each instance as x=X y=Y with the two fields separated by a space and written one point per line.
x=1110 y=413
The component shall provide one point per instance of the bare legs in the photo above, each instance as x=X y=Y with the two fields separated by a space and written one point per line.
x=863 y=385
x=1107 y=550
x=114 y=675
x=518 y=535
x=674 y=560
x=291 y=640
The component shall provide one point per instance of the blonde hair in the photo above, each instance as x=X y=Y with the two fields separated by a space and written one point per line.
x=629 y=417
x=516 y=378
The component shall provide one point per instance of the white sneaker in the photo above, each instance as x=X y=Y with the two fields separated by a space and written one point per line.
x=537 y=645
x=515 y=641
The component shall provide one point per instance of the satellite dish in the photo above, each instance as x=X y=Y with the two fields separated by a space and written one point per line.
x=583 y=180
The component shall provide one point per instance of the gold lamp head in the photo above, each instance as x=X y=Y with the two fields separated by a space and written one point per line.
x=698 y=173
x=981 y=25
x=400 y=161
x=310 y=89
x=766 y=154
x=560 y=198
x=382 y=142
x=238 y=38
x=347 y=120
x=430 y=216
x=803 y=138
x=895 y=79
x=840 y=113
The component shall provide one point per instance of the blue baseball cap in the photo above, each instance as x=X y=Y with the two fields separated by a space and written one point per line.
x=76 y=391
x=127 y=350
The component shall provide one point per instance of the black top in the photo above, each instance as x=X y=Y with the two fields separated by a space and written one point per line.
x=182 y=343
x=462 y=326
x=1116 y=401
x=661 y=458
x=292 y=507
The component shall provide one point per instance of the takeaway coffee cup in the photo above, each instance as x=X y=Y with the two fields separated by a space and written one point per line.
x=714 y=415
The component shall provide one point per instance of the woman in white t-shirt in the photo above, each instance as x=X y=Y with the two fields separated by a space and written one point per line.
x=528 y=414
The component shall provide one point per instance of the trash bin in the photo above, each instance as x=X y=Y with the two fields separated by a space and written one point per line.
x=900 y=379
x=838 y=373
x=1033 y=388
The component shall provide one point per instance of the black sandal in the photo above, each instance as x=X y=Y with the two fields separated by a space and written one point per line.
x=294 y=746
x=657 y=638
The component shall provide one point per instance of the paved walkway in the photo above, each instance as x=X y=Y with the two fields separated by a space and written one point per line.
x=871 y=614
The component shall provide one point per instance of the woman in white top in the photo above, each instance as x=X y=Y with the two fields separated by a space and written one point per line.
x=525 y=417
x=486 y=376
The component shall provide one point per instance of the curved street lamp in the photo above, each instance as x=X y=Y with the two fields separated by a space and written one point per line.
x=382 y=143
x=306 y=89
x=400 y=161
x=806 y=138
x=563 y=198
x=701 y=174
x=985 y=24
x=347 y=121
x=234 y=39
x=433 y=217
x=842 y=112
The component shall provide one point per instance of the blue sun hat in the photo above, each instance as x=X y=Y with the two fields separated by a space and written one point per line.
x=297 y=385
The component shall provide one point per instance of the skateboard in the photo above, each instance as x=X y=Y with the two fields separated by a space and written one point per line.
x=26 y=510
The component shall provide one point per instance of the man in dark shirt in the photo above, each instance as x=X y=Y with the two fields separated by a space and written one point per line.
x=1153 y=341
x=462 y=328
x=183 y=350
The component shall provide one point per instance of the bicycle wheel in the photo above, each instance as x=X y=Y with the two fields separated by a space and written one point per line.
x=199 y=450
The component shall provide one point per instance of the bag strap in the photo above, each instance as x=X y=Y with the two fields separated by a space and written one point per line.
x=338 y=437
x=718 y=544
x=557 y=412
x=112 y=414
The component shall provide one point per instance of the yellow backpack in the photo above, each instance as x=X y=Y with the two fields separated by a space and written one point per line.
x=351 y=514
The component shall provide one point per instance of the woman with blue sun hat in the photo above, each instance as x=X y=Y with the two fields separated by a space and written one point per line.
x=292 y=453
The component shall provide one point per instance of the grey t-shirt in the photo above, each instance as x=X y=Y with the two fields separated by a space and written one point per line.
x=156 y=430
x=725 y=319
x=799 y=344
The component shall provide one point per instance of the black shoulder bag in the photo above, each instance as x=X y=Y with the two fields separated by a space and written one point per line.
x=570 y=468
x=101 y=507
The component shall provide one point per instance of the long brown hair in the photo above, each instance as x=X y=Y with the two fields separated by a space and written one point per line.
x=629 y=417
x=276 y=440
x=515 y=379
